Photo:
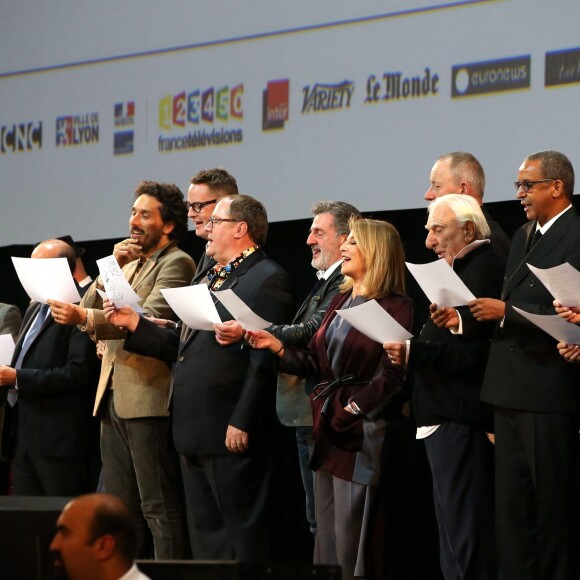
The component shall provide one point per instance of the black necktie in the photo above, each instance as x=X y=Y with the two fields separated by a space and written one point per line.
x=537 y=235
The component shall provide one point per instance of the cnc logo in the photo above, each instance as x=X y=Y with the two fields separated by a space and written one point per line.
x=396 y=86
x=275 y=104
x=21 y=137
x=562 y=67
x=76 y=130
x=124 y=136
x=324 y=97
x=479 y=78
x=195 y=112
x=208 y=106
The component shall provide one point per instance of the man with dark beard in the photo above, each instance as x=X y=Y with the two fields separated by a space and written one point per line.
x=95 y=539
x=133 y=392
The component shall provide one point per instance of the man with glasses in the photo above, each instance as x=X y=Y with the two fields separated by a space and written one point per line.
x=533 y=390
x=223 y=396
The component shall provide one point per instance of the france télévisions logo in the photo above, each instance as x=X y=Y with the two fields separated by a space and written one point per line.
x=74 y=130
x=326 y=97
x=562 y=67
x=275 y=104
x=124 y=136
x=21 y=137
x=198 y=112
x=494 y=76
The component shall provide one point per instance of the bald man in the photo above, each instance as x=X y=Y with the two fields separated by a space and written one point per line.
x=52 y=381
x=95 y=539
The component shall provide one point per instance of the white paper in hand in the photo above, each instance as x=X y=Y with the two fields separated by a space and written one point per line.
x=554 y=325
x=117 y=287
x=441 y=284
x=562 y=282
x=6 y=349
x=241 y=311
x=375 y=322
x=46 y=278
x=193 y=305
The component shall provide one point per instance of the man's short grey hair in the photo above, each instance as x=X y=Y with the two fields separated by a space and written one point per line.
x=465 y=167
x=340 y=211
x=466 y=209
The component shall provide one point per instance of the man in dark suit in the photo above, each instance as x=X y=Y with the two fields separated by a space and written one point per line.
x=223 y=396
x=533 y=389
x=461 y=172
x=54 y=372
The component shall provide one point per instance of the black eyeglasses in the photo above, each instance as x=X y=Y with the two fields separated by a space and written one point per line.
x=527 y=185
x=213 y=221
x=197 y=206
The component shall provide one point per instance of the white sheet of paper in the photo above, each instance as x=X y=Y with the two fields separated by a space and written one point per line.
x=240 y=311
x=563 y=282
x=136 y=307
x=116 y=285
x=374 y=322
x=193 y=305
x=47 y=278
x=440 y=283
x=6 y=349
x=555 y=326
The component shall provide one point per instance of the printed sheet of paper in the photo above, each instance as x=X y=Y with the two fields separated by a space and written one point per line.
x=555 y=326
x=45 y=279
x=193 y=305
x=6 y=349
x=374 y=322
x=117 y=287
x=441 y=284
x=563 y=282
x=136 y=307
x=240 y=311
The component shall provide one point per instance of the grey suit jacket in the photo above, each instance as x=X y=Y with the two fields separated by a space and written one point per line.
x=10 y=319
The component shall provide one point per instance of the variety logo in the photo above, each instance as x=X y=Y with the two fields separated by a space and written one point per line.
x=275 y=104
x=493 y=76
x=323 y=97
x=562 y=67
x=394 y=86
x=77 y=130
x=21 y=137
x=190 y=110
x=124 y=136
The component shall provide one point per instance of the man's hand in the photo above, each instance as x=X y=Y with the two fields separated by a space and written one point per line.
x=228 y=332
x=262 y=339
x=445 y=317
x=127 y=251
x=67 y=314
x=487 y=309
x=100 y=349
x=236 y=440
x=569 y=313
x=396 y=351
x=570 y=352
x=7 y=376
x=124 y=317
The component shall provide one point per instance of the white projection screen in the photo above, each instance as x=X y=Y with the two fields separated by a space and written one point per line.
x=300 y=100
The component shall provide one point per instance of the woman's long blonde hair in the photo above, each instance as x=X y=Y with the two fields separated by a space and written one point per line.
x=384 y=257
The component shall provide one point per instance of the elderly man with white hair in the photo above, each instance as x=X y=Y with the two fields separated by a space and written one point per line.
x=446 y=367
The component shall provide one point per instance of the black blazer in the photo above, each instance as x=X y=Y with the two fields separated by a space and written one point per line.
x=525 y=371
x=56 y=389
x=215 y=386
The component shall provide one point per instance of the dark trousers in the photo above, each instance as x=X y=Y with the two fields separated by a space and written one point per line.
x=138 y=469
x=51 y=476
x=226 y=498
x=536 y=491
x=461 y=461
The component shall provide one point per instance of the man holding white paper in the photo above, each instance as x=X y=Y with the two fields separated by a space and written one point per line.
x=533 y=389
x=133 y=392
x=223 y=396
x=48 y=390
x=446 y=373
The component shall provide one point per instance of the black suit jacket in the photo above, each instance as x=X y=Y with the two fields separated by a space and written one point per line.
x=216 y=386
x=56 y=387
x=525 y=371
